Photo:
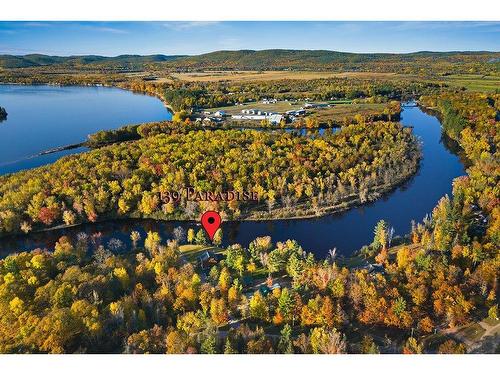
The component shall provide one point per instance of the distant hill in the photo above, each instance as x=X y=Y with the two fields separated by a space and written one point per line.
x=273 y=59
x=322 y=59
x=124 y=61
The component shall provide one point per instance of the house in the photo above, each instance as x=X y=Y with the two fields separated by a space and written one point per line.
x=248 y=117
x=211 y=120
x=265 y=290
x=275 y=119
x=208 y=259
x=269 y=101
x=249 y=111
x=220 y=114
x=373 y=268
x=297 y=112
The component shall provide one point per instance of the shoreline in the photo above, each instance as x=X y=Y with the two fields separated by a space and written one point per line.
x=338 y=208
x=351 y=201
x=118 y=86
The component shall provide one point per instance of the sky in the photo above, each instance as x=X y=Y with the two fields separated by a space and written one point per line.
x=191 y=38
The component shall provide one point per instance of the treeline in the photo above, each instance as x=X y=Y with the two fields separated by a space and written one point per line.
x=126 y=179
x=93 y=297
x=3 y=113
x=104 y=137
x=40 y=76
x=185 y=95
x=182 y=95
x=473 y=120
x=276 y=59
x=279 y=59
x=460 y=110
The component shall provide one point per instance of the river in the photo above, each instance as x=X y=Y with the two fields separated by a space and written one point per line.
x=45 y=117
x=347 y=231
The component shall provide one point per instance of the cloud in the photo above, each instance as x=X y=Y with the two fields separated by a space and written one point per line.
x=443 y=25
x=10 y=50
x=104 y=29
x=36 y=24
x=179 y=26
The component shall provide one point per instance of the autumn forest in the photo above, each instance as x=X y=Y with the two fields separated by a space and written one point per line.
x=423 y=291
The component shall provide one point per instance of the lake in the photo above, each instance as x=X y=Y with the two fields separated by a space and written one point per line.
x=347 y=231
x=44 y=117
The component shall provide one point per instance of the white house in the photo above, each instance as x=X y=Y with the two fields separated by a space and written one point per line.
x=220 y=114
x=275 y=119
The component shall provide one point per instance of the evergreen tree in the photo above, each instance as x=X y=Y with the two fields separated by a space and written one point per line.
x=285 y=345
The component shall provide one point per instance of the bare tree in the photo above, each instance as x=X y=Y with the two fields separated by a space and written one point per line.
x=270 y=205
x=333 y=343
x=332 y=253
x=190 y=209
x=100 y=256
x=390 y=236
x=179 y=234
x=115 y=244
x=287 y=201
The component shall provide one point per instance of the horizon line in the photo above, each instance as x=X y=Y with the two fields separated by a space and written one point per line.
x=249 y=50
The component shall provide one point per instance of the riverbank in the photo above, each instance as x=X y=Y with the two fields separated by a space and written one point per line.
x=348 y=229
x=351 y=202
x=337 y=199
x=121 y=86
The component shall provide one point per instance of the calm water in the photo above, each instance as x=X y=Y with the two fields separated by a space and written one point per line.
x=44 y=117
x=347 y=231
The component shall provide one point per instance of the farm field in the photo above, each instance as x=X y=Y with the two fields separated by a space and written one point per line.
x=474 y=82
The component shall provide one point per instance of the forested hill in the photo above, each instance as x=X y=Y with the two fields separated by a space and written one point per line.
x=122 y=61
x=277 y=59
x=321 y=59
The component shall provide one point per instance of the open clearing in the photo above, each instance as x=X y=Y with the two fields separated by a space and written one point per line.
x=280 y=106
x=340 y=111
x=337 y=113
x=192 y=252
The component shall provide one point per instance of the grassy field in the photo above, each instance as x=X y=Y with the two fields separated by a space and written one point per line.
x=280 y=106
x=208 y=76
x=474 y=82
x=336 y=114
x=340 y=111
x=472 y=332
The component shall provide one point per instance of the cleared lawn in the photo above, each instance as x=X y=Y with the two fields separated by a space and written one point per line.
x=280 y=106
x=472 y=332
x=340 y=111
x=208 y=76
x=339 y=107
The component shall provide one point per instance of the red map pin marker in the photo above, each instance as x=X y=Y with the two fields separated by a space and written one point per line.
x=210 y=221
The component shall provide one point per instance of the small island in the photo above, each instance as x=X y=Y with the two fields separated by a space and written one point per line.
x=3 y=114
